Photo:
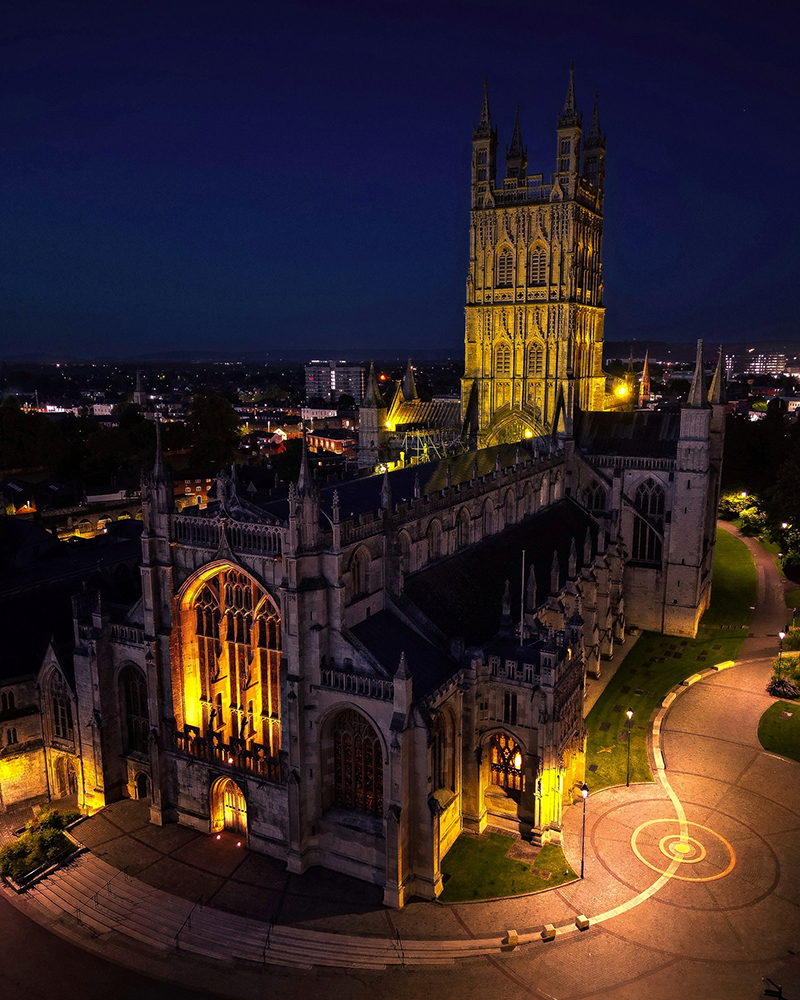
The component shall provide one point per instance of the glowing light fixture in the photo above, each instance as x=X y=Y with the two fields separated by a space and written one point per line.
x=621 y=390
x=528 y=432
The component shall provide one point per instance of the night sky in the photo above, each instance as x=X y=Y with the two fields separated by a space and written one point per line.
x=247 y=176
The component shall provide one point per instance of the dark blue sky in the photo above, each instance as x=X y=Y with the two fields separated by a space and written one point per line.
x=250 y=175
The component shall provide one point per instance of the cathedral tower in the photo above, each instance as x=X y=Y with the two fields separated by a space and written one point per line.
x=534 y=314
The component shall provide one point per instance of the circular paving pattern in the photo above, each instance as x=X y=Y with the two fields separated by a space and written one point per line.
x=708 y=850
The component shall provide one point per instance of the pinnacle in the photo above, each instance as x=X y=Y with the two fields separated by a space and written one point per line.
x=717 y=394
x=484 y=128
x=595 y=136
x=697 y=393
x=570 y=116
x=516 y=149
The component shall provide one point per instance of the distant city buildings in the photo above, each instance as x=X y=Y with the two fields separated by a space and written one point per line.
x=331 y=379
x=766 y=364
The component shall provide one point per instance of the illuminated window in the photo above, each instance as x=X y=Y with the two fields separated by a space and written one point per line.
x=358 y=764
x=135 y=716
x=537 y=271
x=232 y=658
x=506 y=763
x=505 y=268
x=647 y=542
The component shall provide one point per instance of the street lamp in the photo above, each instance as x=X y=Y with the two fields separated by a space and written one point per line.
x=629 y=713
x=781 y=637
x=584 y=793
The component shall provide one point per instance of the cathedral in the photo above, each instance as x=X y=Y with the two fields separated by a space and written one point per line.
x=354 y=674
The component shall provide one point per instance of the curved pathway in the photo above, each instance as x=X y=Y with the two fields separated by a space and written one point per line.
x=692 y=884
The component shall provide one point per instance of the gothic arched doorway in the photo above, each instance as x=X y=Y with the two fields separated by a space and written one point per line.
x=142 y=786
x=228 y=806
x=66 y=779
x=505 y=779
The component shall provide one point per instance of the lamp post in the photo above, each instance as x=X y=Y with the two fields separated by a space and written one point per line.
x=781 y=637
x=584 y=793
x=629 y=713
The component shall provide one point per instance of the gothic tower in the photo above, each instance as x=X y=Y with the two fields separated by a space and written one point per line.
x=534 y=314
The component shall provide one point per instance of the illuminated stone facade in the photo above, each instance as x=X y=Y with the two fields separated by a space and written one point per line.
x=534 y=314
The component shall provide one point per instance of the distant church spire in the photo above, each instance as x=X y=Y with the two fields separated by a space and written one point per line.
x=644 y=385
x=409 y=384
x=372 y=397
x=717 y=394
x=697 y=393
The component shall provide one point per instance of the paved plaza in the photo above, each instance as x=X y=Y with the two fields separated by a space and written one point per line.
x=692 y=883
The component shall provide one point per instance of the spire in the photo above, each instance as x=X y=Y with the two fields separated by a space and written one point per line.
x=386 y=493
x=409 y=384
x=402 y=669
x=484 y=129
x=587 y=549
x=573 y=560
x=697 y=393
x=570 y=116
x=555 y=573
x=530 y=590
x=506 y=625
x=717 y=395
x=304 y=483
x=595 y=138
x=516 y=150
x=158 y=464
x=372 y=397
x=644 y=385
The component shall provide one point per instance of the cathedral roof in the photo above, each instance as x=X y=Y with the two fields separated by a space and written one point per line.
x=387 y=637
x=645 y=433
x=416 y=414
x=463 y=594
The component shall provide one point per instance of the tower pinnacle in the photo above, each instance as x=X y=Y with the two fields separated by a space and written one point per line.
x=595 y=139
x=484 y=129
x=569 y=116
x=697 y=393
x=516 y=148
x=717 y=395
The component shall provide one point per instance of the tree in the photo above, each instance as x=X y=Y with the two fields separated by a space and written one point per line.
x=214 y=428
x=346 y=402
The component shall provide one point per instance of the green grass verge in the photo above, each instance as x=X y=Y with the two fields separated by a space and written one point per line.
x=781 y=735
x=658 y=662
x=477 y=868
x=793 y=599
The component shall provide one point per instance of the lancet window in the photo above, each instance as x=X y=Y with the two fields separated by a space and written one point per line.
x=135 y=716
x=358 y=763
x=62 y=716
x=537 y=272
x=594 y=497
x=505 y=268
x=647 y=542
x=535 y=361
x=232 y=661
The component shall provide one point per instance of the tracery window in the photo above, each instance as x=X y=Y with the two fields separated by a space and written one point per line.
x=135 y=715
x=505 y=268
x=62 y=716
x=443 y=751
x=594 y=496
x=506 y=762
x=647 y=542
x=502 y=361
x=359 y=573
x=358 y=763
x=537 y=271
x=7 y=701
x=12 y=736
x=232 y=661
x=405 y=552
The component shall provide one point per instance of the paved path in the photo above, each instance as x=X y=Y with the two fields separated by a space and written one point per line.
x=695 y=880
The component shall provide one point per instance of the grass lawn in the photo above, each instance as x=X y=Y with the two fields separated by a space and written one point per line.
x=793 y=599
x=658 y=662
x=781 y=735
x=477 y=868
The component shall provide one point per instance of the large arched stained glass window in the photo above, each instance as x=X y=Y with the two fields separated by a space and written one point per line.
x=232 y=653
x=358 y=763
